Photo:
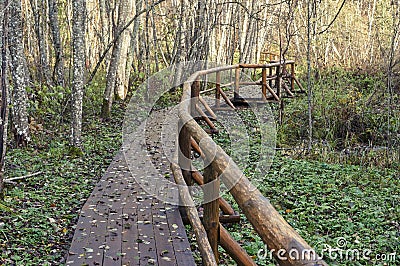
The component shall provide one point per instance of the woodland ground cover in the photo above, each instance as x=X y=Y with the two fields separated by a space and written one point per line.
x=324 y=198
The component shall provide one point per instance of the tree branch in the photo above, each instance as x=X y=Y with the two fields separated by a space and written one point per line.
x=336 y=16
x=117 y=36
x=10 y=180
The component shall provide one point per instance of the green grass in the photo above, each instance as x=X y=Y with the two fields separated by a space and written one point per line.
x=325 y=202
x=45 y=208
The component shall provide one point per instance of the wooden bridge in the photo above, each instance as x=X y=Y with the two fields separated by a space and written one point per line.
x=122 y=224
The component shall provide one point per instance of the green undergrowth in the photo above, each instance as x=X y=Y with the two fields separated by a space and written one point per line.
x=45 y=208
x=327 y=203
x=353 y=113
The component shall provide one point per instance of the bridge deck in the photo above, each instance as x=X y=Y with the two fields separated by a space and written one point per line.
x=121 y=224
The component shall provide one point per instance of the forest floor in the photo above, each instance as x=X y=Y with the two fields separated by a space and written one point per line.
x=324 y=202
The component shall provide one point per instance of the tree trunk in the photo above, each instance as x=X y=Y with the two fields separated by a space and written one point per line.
x=123 y=69
x=78 y=46
x=38 y=9
x=58 y=72
x=20 y=78
x=114 y=68
x=3 y=89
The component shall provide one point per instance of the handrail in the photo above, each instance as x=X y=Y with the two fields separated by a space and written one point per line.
x=275 y=232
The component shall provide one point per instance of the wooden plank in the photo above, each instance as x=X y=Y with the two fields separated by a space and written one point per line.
x=162 y=235
x=130 y=246
x=86 y=246
x=146 y=241
x=183 y=253
x=118 y=199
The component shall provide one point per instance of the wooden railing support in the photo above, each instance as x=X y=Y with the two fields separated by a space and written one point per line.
x=264 y=83
x=185 y=153
x=217 y=89
x=206 y=252
x=237 y=84
x=268 y=223
x=238 y=254
x=211 y=208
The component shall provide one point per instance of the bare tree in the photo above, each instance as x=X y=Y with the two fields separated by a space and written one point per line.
x=58 y=72
x=78 y=46
x=40 y=18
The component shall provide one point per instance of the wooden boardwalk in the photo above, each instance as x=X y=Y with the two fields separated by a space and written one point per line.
x=121 y=224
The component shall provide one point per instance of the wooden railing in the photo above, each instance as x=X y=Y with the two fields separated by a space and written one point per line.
x=276 y=233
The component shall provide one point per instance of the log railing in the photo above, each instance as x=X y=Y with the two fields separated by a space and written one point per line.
x=288 y=246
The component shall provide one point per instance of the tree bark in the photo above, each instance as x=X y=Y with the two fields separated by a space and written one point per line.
x=3 y=89
x=78 y=46
x=20 y=78
x=39 y=13
x=116 y=70
x=123 y=69
x=58 y=71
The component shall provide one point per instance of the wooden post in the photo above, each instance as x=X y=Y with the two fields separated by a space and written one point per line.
x=184 y=153
x=223 y=204
x=218 y=89
x=264 y=84
x=211 y=208
x=270 y=75
x=195 y=94
x=237 y=83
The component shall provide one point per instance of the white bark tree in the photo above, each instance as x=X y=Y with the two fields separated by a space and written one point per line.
x=20 y=77
x=58 y=71
x=78 y=46
x=3 y=89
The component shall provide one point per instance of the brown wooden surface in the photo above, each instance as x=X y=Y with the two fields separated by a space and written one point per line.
x=184 y=153
x=234 y=250
x=223 y=204
x=211 y=208
x=120 y=224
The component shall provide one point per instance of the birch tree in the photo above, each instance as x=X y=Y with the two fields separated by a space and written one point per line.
x=3 y=88
x=58 y=70
x=20 y=76
x=78 y=46
x=39 y=8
